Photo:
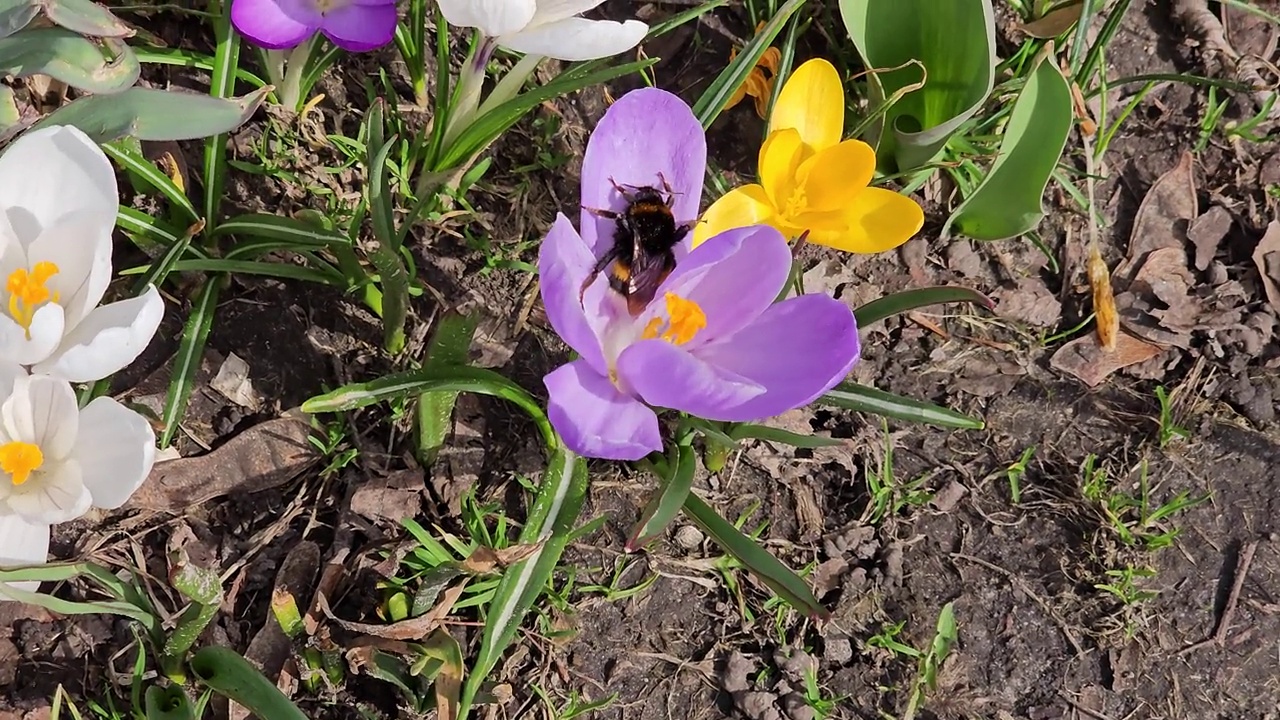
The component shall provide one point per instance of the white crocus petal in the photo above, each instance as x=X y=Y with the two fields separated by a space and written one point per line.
x=576 y=39
x=117 y=448
x=52 y=172
x=109 y=338
x=550 y=11
x=22 y=543
x=491 y=17
x=10 y=372
x=79 y=244
x=47 y=326
x=53 y=494
x=42 y=411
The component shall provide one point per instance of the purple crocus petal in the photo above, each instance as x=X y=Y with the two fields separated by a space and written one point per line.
x=276 y=24
x=563 y=263
x=361 y=26
x=798 y=349
x=596 y=420
x=733 y=277
x=667 y=376
x=646 y=133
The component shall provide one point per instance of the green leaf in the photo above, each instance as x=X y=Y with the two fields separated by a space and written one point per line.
x=851 y=396
x=68 y=57
x=128 y=158
x=551 y=520
x=85 y=17
x=156 y=115
x=10 y=116
x=486 y=128
x=954 y=40
x=226 y=58
x=443 y=648
x=1008 y=203
x=187 y=362
x=68 y=607
x=15 y=15
x=251 y=267
x=901 y=302
x=384 y=251
x=769 y=569
x=290 y=232
x=168 y=703
x=432 y=379
x=449 y=347
x=716 y=96
x=746 y=431
x=226 y=673
x=160 y=268
x=666 y=501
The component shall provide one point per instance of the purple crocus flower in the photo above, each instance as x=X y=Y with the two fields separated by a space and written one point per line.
x=354 y=25
x=712 y=343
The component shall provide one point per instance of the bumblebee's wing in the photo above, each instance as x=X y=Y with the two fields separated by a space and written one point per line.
x=647 y=273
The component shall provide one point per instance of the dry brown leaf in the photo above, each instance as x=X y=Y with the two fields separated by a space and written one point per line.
x=415 y=628
x=1085 y=360
x=390 y=498
x=1267 y=257
x=1106 y=318
x=484 y=560
x=1164 y=280
x=1206 y=233
x=1162 y=218
x=1055 y=22
x=1028 y=302
x=264 y=456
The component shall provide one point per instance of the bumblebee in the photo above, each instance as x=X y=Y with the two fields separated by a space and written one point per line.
x=641 y=256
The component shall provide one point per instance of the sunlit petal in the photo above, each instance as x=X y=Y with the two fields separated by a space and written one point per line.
x=22 y=543
x=780 y=158
x=595 y=419
x=491 y=17
x=740 y=207
x=812 y=103
x=878 y=220
x=833 y=178
x=116 y=447
x=576 y=39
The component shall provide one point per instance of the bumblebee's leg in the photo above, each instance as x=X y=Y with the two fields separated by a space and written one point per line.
x=611 y=215
x=599 y=267
x=623 y=190
x=666 y=186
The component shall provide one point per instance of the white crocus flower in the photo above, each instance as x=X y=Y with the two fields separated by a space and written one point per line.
x=58 y=204
x=58 y=460
x=550 y=28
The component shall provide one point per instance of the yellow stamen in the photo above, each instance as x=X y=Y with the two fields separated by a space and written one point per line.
x=19 y=460
x=27 y=292
x=684 y=319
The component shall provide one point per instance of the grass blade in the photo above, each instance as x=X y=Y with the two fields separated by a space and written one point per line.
x=226 y=58
x=187 y=361
x=385 y=250
x=901 y=302
x=769 y=569
x=778 y=435
x=132 y=160
x=287 y=230
x=666 y=501
x=851 y=396
x=717 y=95
x=551 y=520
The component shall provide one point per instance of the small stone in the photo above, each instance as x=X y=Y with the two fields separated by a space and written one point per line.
x=689 y=537
x=1217 y=273
x=796 y=708
x=837 y=650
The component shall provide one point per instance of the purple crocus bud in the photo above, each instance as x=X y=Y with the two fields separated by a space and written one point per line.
x=354 y=25
x=712 y=343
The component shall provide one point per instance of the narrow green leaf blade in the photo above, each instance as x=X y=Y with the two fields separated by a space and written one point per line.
x=1009 y=201
x=158 y=115
x=778 y=435
x=769 y=569
x=551 y=520
x=225 y=672
x=432 y=379
x=190 y=350
x=716 y=96
x=908 y=300
x=132 y=160
x=226 y=58
x=852 y=396
x=384 y=251
x=289 y=231
x=666 y=502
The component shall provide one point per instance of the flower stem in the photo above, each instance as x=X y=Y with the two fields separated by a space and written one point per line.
x=295 y=68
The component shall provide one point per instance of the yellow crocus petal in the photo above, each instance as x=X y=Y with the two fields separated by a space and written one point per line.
x=740 y=207
x=780 y=158
x=878 y=220
x=812 y=104
x=833 y=178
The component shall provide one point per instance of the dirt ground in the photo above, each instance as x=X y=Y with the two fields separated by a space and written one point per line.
x=1189 y=629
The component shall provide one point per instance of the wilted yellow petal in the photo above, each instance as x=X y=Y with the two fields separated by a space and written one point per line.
x=780 y=159
x=833 y=178
x=878 y=220
x=812 y=103
x=770 y=61
x=740 y=207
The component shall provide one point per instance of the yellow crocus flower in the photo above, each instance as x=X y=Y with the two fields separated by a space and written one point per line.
x=811 y=180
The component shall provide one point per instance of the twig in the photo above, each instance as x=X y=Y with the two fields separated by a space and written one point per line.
x=1219 y=636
